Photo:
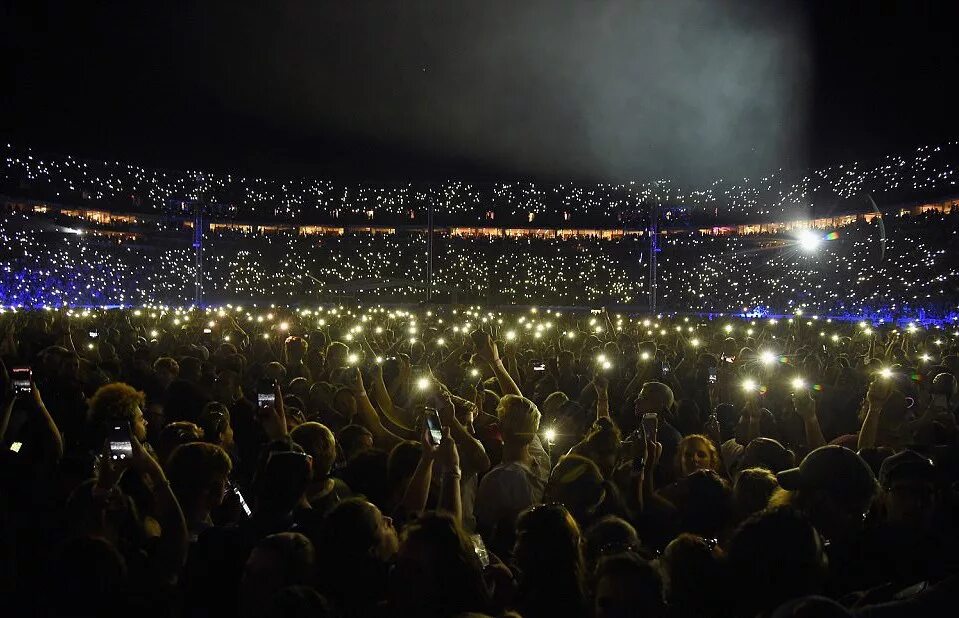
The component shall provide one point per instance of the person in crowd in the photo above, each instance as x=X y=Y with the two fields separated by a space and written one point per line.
x=693 y=569
x=295 y=472
x=437 y=571
x=324 y=491
x=627 y=585
x=277 y=562
x=519 y=480
x=357 y=543
x=199 y=474
x=775 y=556
x=551 y=577
x=753 y=489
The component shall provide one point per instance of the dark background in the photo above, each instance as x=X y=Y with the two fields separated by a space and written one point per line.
x=544 y=90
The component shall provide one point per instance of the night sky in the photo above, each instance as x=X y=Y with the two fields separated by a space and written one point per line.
x=544 y=90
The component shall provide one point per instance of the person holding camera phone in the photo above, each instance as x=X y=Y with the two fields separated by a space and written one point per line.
x=20 y=391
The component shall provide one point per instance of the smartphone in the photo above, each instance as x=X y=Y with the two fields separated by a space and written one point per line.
x=712 y=375
x=243 y=503
x=639 y=436
x=480 y=547
x=22 y=379
x=93 y=334
x=434 y=426
x=265 y=393
x=120 y=442
x=651 y=425
x=207 y=331
x=665 y=368
x=539 y=365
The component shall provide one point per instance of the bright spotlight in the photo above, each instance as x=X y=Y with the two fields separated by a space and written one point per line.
x=767 y=358
x=808 y=240
x=798 y=384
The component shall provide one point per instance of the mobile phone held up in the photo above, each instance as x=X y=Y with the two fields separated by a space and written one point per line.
x=265 y=393
x=433 y=426
x=22 y=380
x=651 y=426
x=120 y=442
x=239 y=496
x=539 y=366
x=480 y=548
x=713 y=376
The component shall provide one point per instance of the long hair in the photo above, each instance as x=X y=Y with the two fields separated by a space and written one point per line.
x=550 y=562
x=438 y=572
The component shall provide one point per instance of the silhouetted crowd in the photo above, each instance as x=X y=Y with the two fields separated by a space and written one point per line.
x=460 y=461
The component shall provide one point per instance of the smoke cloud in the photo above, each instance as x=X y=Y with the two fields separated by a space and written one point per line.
x=686 y=89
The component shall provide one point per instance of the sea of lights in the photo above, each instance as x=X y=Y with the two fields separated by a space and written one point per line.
x=910 y=273
x=129 y=187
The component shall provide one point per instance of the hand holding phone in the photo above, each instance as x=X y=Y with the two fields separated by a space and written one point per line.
x=120 y=443
x=22 y=378
x=480 y=548
x=434 y=427
x=651 y=426
x=713 y=375
x=638 y=453
x=265 y=393
x=239 y=496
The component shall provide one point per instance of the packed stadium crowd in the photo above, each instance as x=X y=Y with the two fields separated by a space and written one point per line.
x=893 y=267
x=460 y=461
x=129 y=187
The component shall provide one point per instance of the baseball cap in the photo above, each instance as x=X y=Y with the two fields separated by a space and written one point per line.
x=833 y=469
x=908 y=464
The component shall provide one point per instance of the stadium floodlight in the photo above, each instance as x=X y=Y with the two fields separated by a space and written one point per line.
x=767 y=357
x=808 y=240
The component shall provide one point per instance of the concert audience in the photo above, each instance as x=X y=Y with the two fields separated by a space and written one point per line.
x=455 y=462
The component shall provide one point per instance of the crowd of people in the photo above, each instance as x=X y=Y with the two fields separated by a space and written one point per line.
x=460 y=461
x=126 y=187
x=894 y=267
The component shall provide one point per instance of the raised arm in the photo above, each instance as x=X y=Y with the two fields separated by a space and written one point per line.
x=56 y=439
x=418 y=490
x=486 y=350
x=805 y=407
x=471 y=450
x=601 y=384
x=382 y=437
x=447 y=456
x=879 y=391
x=174 y=535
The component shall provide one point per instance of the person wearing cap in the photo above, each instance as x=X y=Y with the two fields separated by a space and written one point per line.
x=909 y=544
x=908 y=498
x=834 y=487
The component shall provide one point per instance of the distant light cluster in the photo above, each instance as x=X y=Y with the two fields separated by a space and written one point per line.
x=911 y=269
x=127 y=187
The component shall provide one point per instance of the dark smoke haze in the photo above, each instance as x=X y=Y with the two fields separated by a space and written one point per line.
x=593 y=90
x=685 y=89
